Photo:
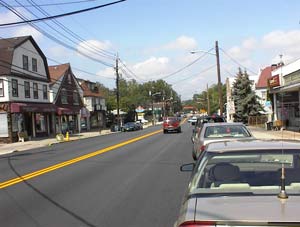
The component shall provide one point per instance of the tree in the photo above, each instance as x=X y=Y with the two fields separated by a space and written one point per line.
x=245 y=99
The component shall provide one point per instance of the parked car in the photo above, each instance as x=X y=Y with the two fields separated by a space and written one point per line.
x=139 y=125
x=171 y=124
x=129 y=126
x=212 y=132
x=205 y=119
x=240 y=183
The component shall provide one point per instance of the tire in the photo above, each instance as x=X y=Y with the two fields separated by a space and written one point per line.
x=165 y=131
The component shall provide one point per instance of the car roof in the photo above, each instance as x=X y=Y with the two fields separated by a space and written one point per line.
x=223 y=123
x=252 y=144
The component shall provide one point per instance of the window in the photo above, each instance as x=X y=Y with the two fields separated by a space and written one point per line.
x=75 y=98
x=1 y=88
x=27 y=89
x=25 y=62
x=14 y=87
x=34 y=65
x=64 y=97
x=35 y=91
x=45 y=92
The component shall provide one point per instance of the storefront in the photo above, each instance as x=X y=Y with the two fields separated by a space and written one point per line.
x=34 y=118
x=67 y=120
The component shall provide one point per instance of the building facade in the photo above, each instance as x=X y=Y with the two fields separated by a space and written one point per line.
x=24 y=86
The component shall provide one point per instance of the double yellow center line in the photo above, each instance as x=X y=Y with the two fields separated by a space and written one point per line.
x=72 y=161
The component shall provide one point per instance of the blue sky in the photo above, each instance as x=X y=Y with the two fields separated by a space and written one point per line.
x=154 y=37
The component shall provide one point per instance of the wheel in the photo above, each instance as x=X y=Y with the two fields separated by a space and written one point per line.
x=165 y=131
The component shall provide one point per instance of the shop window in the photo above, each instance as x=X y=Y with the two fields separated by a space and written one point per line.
x=1 y=88
x=75 y=98
x=64 y=96
x=40 y=123
x=45 y=92
x=25 y=62
x=34 y=65
x=27 y=89
x=35 y=91
x=14 y=87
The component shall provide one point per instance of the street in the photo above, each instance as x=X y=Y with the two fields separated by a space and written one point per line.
x=138 y=184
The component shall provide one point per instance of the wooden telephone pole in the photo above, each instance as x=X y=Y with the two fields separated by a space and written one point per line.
x=219 y=80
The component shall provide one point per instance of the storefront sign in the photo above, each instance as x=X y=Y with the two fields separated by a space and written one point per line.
x=274 y=81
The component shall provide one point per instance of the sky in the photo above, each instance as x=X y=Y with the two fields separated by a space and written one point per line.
x=154 y=38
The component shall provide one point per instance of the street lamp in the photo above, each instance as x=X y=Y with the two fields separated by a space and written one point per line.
x=218 y=74
x=153 y=116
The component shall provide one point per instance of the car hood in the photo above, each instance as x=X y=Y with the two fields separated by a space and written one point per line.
x=248 y=208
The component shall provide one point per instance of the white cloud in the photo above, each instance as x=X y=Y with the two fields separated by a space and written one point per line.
x=107 y=72
x=27 y=30
x=182 y=43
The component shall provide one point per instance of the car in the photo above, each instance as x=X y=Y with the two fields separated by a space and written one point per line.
x=171 y=124
x=129 y=126
x=192 y=120
x=139 y=125
x=212 y=132
x=243 y=183
x=205 y=119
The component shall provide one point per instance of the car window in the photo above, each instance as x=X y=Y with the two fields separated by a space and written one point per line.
x=255 y=172
x=226 y=131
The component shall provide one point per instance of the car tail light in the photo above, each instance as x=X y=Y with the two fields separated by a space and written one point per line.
x=202 y=148
x=198 y=224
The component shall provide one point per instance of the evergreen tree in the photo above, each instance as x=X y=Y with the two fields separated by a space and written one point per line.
x=245 y=99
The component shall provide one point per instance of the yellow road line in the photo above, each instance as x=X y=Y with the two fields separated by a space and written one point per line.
x=72 y=161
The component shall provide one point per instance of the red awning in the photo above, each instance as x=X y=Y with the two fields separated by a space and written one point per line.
x=32 y=107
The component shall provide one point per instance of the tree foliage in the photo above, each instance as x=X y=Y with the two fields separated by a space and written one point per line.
x=245 y=99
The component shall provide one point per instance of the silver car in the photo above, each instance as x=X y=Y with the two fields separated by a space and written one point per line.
x=212 y=132
x=244 y=183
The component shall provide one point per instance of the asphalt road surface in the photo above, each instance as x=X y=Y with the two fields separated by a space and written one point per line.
x=110 y=181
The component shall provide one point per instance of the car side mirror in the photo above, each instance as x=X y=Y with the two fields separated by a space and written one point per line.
x=187 y=167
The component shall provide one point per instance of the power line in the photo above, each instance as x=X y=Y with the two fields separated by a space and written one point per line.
x=60 y=15
x=235 y=61
x=56 y=4
x=203 y=71
x=188 y=65
x=57 y=40
x=92 y=48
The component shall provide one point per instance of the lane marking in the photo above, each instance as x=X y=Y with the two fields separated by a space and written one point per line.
x=16 y=180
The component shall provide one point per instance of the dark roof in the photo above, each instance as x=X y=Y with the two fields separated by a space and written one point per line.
x=87 y=92
x=57 y=71
x=265 y=74
x=7 y=47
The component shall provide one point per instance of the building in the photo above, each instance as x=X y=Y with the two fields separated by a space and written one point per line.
x=24 y=85
x=285 y=87
x=94 y=102
x=67 y=95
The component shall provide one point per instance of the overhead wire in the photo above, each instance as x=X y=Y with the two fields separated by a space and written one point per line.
x=59 y=3
x=95 y=50
x=188 y=65
x=57 y=40
x=60 y=15
x=236 y=62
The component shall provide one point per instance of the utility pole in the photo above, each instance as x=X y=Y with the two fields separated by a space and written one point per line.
x=118 y=92
x=208 y=102
x=219 y=80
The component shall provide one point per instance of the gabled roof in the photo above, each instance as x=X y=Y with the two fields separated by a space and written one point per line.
x=87 y=92
x=57 y=71
x=7 y=47
x=265 y=74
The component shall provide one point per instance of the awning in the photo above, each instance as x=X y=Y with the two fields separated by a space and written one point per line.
x=32 y=107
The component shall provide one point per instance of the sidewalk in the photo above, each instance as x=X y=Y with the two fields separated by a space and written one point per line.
x=42 y=142
x=262 y=133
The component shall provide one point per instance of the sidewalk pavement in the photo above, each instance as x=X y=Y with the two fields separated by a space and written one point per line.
x=259 y=133
x=42 y=142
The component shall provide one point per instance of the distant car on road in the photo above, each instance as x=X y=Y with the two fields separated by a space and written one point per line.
x=240 y=183
x=129 y=126
x=192 y=120
x=171 y=124
x=212 y=132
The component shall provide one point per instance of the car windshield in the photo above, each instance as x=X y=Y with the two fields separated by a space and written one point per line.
x=256 y=172
x=226 y=131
